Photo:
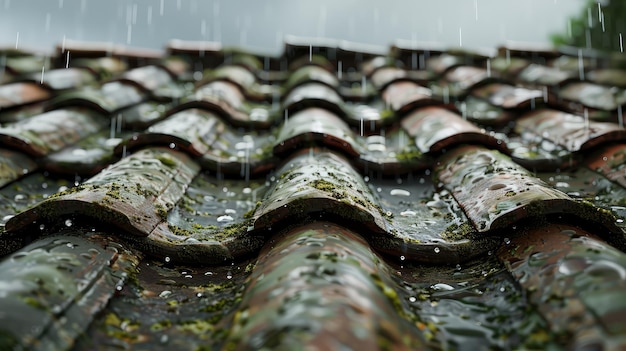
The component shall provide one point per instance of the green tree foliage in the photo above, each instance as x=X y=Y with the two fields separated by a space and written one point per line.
x=599 y=26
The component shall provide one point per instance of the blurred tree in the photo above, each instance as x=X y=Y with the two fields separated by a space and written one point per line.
x=601 y=25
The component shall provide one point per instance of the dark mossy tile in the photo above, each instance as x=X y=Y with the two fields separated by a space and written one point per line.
x=310 y=73
x=576 y=281
x=483 y=113
x=496 y=193
x=133 y=194
x=104 y=67
x=317 y=182
x=89 y=155
x=204 y=135
x=540 y=75
x=211 y=224
x=14 y=164
x=227 y=100
x=424 y=224
x=459 y=80
x=109 y=98
x=316 y=126
x=313 y=94
x=52 y=289
x=244 y=78
x=50 y=131
x=141 y=116
x=22 y=112
x=509 y=96
x=608 y=76
x=304 y=292
x=391 y=151
x=18 y=62
x=13 y=95
x=436 y=128
x=569 y=131
x=154 y=81
x=609 y=161
x=28 y=191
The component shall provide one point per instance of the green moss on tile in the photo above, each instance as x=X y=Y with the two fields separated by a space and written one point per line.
x=166 y=160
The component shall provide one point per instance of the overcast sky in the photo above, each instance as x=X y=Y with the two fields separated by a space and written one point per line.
x=261 y=25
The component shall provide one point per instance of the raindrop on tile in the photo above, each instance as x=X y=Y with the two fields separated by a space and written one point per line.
x=7 y=217
x=442 y=286
x=437 y=250
x=224 y=218
x=167 y=259
x=68 y=222
x=19 y=198
x=408 y=213
x=399 y=192
x=412 y=299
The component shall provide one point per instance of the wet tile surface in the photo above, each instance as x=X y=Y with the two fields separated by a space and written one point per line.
x=328 y=198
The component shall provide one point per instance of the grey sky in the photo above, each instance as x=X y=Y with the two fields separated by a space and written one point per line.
x=262 y=25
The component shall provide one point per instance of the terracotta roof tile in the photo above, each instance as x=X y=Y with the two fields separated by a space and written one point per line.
x=335 y=196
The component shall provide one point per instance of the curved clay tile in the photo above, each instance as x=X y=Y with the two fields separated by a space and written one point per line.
x=50 y=131
x=64 y=78
x=576 y=281
x=569 y=131
x=313 y=94
x=228 y=101
x=424 y=225
x=14 y=164
x=609 y=161
x=310 y=73
x=211 y=223
x=65 y=275
x=313 y=182
x=459 y=80
x=495 y=192
x=404 y=96
x=107 y=99
x=483 y=113
x=17 y=94
x=153 y=80
x=321 y=279
x=435 y=129
x=316 y=126
x=134 y=194
x=204 y=135
x=509 y=96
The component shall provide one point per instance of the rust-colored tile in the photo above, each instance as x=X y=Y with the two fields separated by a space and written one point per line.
x=495 y=192
x=404 y=96
x=611 y=162
x=576 y=281
x=572 y=132
x=435 y=129
x=16 y=94
x=320 y=286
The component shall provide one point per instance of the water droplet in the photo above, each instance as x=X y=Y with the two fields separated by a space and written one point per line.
x=68 y=222
x=172 y=146
x=402 y=258
x=442 y=286
x=7 y=217
x=412 y=299
x=399 y=192
x=208 y=273
x=507 y=241
x=225 y=218
x=19 y=197
x=42 y=227
x=229 y=275
x=165 y=293
x=408 y=213
x=230 y=211
x=437 y=250
x=167 y=259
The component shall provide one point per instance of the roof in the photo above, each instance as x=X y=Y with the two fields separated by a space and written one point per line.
x=334 y=197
